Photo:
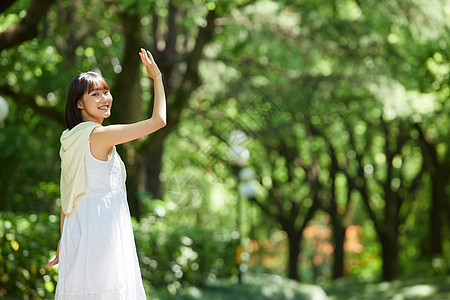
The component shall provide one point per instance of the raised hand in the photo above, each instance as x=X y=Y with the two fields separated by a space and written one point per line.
x=149 y=63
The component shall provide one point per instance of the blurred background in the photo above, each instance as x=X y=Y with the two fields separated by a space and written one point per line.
x=306 y=154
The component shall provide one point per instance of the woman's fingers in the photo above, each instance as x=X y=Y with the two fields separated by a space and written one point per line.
x=149 y=63
x=142 y=54
x=145 y=56
x=53 y=262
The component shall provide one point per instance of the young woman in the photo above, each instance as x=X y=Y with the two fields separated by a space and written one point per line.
x=97 y=253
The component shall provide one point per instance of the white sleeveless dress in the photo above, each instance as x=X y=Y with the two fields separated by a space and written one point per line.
x=97 y=251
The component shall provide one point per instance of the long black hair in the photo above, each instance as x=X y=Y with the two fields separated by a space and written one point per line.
x=81 y=85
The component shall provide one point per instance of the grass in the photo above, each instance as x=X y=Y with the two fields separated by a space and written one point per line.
x=265 y=287
x=272 y=287
x=261 y=287
x=428 y=288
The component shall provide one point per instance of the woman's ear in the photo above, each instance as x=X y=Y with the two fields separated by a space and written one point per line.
x=80 y=104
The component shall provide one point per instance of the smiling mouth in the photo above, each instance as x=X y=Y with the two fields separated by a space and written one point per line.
x=103 y=107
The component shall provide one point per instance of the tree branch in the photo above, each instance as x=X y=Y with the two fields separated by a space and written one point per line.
x=155 y=26
x=27 y=29
x=4 y=4
x=277 y=200
x=30 y=101
x=189 y=85
x=173 y=30
x=167 y=57
x=427 y=144
x=309 y=215
x=415 y=184
x=362 y=189
x=204 y=36
x=264 y=208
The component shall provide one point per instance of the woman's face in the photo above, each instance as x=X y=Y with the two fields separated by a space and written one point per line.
x=96 y=105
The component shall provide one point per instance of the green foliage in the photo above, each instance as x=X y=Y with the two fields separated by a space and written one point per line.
x=360 y=73
x=365 y=266
x=176 y=255
x=171 y=255
x=26 y=244
x=29 y=180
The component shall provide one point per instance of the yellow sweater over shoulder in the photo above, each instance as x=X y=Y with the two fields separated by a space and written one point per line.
x=73 y=173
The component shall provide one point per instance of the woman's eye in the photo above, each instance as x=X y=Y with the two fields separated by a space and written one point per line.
x=106 y=92
x=95 y=94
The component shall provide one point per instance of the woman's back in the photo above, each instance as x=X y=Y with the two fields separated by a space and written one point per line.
x=103 y=176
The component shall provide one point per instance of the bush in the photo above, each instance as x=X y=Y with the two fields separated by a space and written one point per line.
x=26 y=244
x=175 y=256
x=171 y=256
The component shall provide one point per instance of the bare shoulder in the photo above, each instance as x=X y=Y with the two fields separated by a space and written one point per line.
x=99 y=149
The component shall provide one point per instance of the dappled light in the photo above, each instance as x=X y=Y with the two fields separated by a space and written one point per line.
x=305 y=154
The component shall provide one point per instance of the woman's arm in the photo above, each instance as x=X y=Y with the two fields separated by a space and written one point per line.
x=108 y=136
x=56 y=259
x=62 y=220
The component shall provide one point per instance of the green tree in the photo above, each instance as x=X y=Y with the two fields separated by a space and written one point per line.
x=176 y=33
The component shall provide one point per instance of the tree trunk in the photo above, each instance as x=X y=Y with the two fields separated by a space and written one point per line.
x=294 y=252
x=389 y=246
x=388 y=233
x=153 y=169
x=439 y=179
x=127 y=107
x=437 y=198
x=152 y=150
x=339 y=239
x=135 y=184
x=27 y=28
x=4 y=4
